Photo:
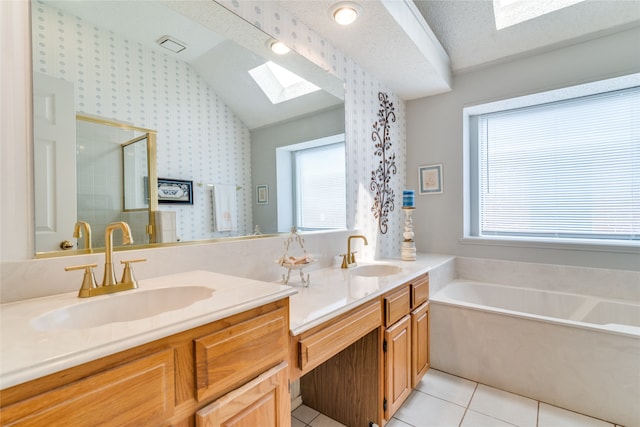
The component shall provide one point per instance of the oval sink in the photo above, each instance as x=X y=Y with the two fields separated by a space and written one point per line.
x=121 y=307
x=376 y=270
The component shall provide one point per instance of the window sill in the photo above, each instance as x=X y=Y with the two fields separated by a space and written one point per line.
x=564 y=244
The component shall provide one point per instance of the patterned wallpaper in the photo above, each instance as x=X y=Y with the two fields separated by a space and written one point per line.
x=199 y=138
x=361 y=106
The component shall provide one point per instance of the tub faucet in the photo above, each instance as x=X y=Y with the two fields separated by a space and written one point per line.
x=349 y=259
x=77 y=233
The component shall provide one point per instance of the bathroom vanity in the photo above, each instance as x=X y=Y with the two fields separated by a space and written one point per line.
x=225 y=350
x=360 y=339
x=199 y=367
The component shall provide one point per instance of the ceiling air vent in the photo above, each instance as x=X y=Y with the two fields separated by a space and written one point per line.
x=171 y=44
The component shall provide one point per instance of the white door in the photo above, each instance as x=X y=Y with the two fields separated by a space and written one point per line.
x=54 y=161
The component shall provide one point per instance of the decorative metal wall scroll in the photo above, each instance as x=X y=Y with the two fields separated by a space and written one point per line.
x=381 y=177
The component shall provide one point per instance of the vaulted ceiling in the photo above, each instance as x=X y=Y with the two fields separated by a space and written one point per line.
x=466 y=29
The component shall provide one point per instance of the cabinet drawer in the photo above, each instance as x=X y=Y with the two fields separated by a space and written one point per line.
x=396 y=305
x=316 y=348
x=263 y=402
x=232 y=356
x=137 y=393
x=419 y=290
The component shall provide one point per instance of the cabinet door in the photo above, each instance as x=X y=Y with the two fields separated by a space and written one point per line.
x=397 y=365
x=419 y=343
x=263 y=402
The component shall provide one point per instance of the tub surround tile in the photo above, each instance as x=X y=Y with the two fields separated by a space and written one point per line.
x=505 y=406
x=420 y=407
x=445 y=273
x=566 y=367
x=447 y=387
x=552 y=416
x=600 y=282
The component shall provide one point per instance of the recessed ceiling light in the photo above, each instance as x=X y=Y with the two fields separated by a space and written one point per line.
x=171 y=44
x=345 y=13
x=278 y=47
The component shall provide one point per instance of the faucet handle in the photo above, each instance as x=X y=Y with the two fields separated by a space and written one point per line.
x=88 y=281
x=345 y=260
x=127 y=273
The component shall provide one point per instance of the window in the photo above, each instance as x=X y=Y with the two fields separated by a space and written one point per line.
x=513 y=12
x=567 y=169
x=320 y=187
x=311 y=184
x=280 y=84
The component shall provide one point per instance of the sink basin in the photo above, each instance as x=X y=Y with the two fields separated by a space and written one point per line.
x=121 y=307
x=376 y=270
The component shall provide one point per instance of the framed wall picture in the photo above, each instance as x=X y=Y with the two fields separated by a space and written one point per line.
x=175 y=191
x=430 y=179
x=262 y=194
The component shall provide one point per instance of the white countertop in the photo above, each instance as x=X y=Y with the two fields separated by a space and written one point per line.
x=336 y=290
x=27 y=353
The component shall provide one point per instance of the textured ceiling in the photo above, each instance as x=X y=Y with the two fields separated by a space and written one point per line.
x=380 y=43
x=465 y=28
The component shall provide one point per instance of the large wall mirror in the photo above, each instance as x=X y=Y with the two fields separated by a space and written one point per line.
x=177 y=74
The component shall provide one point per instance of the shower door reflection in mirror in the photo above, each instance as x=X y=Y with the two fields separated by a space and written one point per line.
x=135 y=170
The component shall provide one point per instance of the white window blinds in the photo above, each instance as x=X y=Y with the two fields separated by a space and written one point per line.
x=568 y=169
x=320 y=187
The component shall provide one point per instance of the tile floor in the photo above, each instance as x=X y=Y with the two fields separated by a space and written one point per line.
x=444 y=400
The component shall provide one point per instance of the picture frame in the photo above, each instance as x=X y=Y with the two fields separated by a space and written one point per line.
x=175 y=191
x=430 y=179
x=262 y=194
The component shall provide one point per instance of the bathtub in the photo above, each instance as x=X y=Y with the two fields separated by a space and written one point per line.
x=577 y=352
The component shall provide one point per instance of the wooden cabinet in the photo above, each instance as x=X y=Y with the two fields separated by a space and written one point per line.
x=419 y=328
x=137 y=393
x=230 y=357
x=406 y=341
x=171 y=381
x=262 y=402
x=419 y=343
x=338 y=364
x=320 y=344
x=397 y=350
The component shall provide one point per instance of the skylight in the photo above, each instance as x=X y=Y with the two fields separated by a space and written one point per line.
x=280 y=84
x=512 y=12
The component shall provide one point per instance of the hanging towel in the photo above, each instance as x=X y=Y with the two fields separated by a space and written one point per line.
x=224 y=207
x=165 y=226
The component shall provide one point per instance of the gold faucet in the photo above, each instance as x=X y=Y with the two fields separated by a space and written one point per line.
x=77 y=233
x=109 y=285
x=109 y=278
x=349 y=259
